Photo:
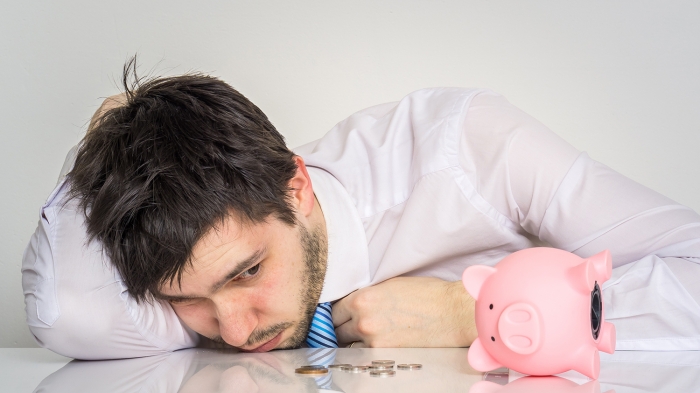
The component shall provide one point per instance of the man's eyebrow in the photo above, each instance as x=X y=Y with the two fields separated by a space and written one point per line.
x=238 y=269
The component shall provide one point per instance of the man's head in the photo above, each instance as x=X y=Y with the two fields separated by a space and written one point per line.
x=196 y=199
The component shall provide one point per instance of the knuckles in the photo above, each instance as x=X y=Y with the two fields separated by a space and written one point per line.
x=365 y=299
x=367 y=326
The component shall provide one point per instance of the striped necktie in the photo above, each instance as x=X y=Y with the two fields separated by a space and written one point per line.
x=321 y=331
x=323 y=357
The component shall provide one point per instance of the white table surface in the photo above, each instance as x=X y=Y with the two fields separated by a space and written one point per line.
x=444 y=370
x=22 y=369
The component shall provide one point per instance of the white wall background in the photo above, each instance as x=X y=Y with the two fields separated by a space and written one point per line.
x=619 y=79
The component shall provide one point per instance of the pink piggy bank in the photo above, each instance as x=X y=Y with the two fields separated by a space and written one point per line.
x=539 y=311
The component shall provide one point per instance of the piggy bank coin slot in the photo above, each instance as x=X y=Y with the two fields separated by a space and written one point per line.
x=596 y=311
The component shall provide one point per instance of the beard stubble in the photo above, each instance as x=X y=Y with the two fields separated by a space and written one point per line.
x=315 y=254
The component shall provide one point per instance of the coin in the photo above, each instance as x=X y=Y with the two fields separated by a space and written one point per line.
x=412 y=366
x=383 y=362
x=382 y=373
x=376 y=367
x=340 y=365
x=355 y=369
x=314 y=366
x=308 y=370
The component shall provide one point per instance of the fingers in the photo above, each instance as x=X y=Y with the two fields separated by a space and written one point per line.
x=348 y=333
x=340 y=311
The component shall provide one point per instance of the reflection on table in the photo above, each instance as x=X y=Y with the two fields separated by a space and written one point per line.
x=444 y=370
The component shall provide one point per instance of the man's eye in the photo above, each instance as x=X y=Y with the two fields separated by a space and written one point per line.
x=250 y=272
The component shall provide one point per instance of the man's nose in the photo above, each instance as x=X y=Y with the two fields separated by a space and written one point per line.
x=236 y=321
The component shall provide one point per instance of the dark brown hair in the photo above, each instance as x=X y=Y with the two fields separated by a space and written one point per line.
x=181 y=155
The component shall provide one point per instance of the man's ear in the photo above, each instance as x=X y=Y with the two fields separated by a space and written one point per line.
x=301 y=190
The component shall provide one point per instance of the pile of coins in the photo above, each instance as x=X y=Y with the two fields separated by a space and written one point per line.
x=312 y=370
x=378 y=368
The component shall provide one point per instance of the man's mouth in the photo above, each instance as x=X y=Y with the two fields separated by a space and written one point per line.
x=268 y=345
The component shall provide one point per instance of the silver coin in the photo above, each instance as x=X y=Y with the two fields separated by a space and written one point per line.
x=382 y=373
x=338 y=366
x=383 y=362
x=376 y=367
x=314 y=367
x=413 y=366
x=355 y=369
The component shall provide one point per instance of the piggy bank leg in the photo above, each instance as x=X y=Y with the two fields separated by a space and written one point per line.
x=607 y=338
x=479 y=359
x=588 y=363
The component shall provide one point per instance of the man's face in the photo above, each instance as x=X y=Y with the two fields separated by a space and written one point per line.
x=252 y=286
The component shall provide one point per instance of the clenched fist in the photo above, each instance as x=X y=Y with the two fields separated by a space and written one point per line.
x=407 y=312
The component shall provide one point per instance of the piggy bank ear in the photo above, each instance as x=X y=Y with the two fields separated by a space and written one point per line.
x=597 y=268
x=602 y=266
x=475 y=276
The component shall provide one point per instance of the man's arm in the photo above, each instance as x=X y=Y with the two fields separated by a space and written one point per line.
x=76 y=303
x=543 y=185
x=653 y=240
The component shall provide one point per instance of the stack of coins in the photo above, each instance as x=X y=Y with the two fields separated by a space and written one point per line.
x=312 y=370
x=412 y=366
x=355 y=369
x=382 y=368
x=378 y=368
x=339 y=366
x=382 y=373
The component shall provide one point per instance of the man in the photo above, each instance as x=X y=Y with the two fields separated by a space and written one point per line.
x=186 y=216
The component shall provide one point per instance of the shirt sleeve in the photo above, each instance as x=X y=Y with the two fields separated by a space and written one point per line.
x=566 y=199
x=77 y=305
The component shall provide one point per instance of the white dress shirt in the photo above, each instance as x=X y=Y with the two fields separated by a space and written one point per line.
x=427 y=186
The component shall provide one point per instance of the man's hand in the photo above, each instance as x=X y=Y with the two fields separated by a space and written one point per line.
x=407 y=312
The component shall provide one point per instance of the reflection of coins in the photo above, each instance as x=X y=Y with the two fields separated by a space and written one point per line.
x=376 y=367
x=383 y=362
x=355 y=369
x=412 y=366
x=338 y=366
x=382 y=373
x=312 y=370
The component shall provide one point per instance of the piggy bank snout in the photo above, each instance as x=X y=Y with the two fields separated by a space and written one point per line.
x=519 y=326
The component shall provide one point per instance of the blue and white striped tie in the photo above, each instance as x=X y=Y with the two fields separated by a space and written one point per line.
x=321 y=331
x=323 y=357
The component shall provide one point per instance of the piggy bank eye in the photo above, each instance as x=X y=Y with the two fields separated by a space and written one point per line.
x=493 y=339
x=490 y=306
x=596 y=310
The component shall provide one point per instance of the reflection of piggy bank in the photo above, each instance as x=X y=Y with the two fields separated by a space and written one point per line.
x=539 y=311
x=537 y=384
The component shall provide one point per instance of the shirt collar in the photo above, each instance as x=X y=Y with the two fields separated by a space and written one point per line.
x=348 y=260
